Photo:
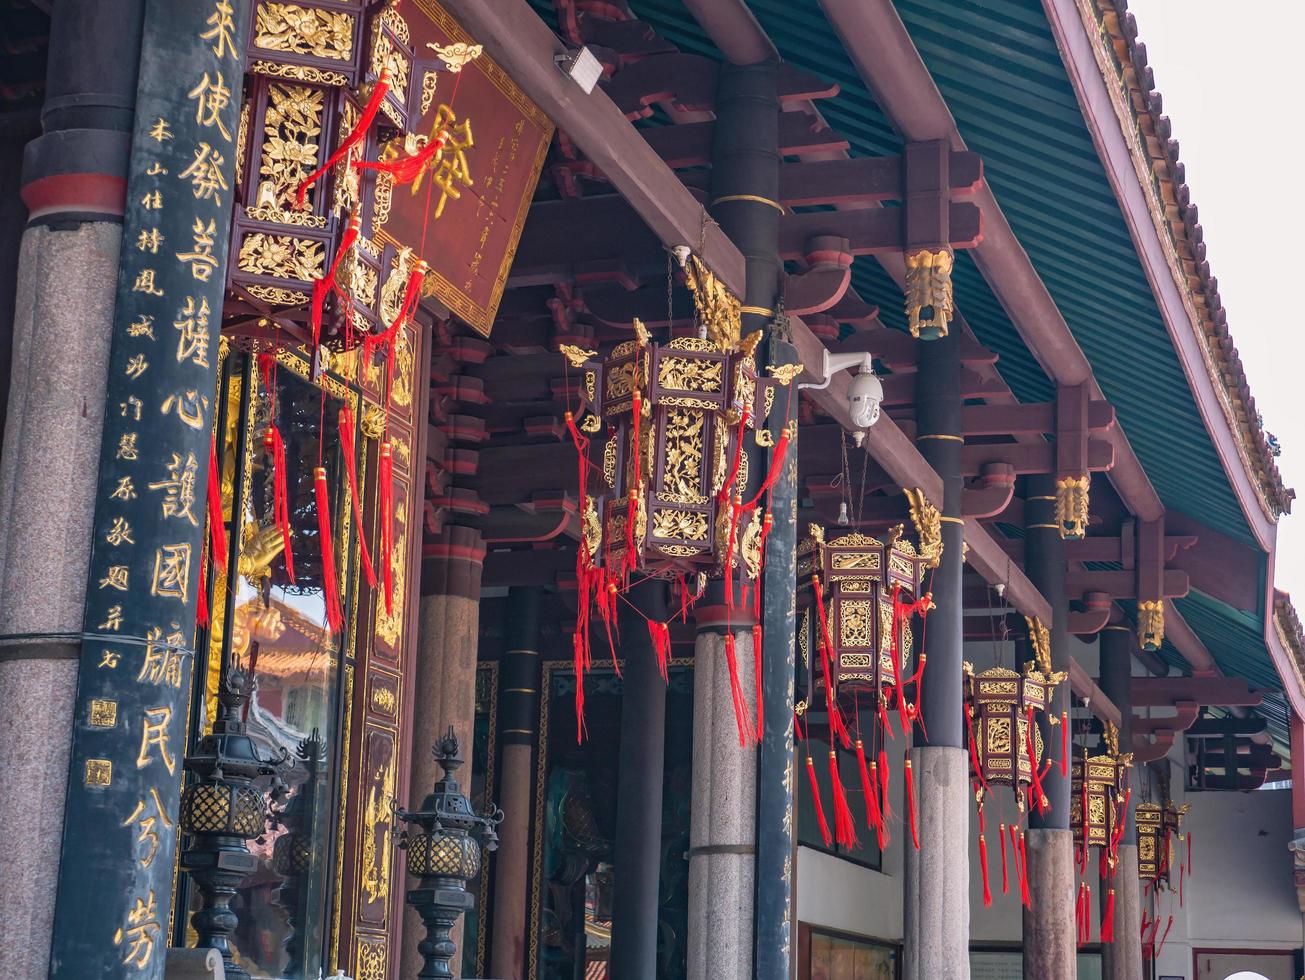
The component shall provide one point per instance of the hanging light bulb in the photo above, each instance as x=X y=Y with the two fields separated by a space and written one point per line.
x=843 y=519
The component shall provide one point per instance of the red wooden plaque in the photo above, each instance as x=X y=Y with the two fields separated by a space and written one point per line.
x=471 y=246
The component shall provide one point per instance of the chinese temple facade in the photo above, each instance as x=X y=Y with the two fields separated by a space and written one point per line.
x=694 y=489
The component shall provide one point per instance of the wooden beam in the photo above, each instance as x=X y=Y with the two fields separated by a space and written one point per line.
x=864 y=180
x=1153 y=692
x=1219 y=727
x=870 y=230
x=689 y=144
x=524 y=47
x=1084 y=687
x=1122 y=584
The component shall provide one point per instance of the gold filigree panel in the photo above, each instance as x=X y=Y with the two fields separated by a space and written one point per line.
x=292 y=29
x=690 y=374
x=690 y=525
x=282 y=256
x=292 y=126
x=683 y=450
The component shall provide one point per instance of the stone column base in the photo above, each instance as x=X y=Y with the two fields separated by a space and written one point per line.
x=722 y=833
x=1050 y=949
x=936 y=940
x=1122 y=959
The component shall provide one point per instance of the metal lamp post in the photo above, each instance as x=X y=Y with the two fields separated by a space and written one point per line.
x=220 y=811
x=444 y=848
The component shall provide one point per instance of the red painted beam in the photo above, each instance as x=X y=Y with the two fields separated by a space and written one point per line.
x=870 y=230
x=1122 y=585
x=1153 y=692
x=864 y=180
x=689 y=144
x=1184 y=719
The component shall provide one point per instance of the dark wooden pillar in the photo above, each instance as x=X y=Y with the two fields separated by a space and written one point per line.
x=723 y=831
x=937 y=913
x=638 y=845
x=1049 y=941
x=1122 y=960
x=518 y=714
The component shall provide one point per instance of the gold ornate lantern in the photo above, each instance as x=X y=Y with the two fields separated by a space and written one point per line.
x=669 y=425
x=1098 y=788
x=856 y=598
x=1152 y=851
x=864 y=587
x=676 y=417
x=1005 y=741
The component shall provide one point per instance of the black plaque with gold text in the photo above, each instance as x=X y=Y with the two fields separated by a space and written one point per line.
x=129 y=722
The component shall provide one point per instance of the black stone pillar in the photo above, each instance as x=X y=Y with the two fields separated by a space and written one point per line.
x=1049 y=940
x=941 y=442
x=936 y=913
x=518 y=720
x=1044 y=562
x=638 y=844
x=1122 y=960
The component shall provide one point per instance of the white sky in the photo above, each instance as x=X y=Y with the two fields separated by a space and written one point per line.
x=1230 y=75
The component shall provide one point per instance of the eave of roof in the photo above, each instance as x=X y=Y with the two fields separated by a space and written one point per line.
x=1121 y=58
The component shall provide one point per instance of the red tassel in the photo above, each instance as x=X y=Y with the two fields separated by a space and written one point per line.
x=385 y=491
x=365 y=120
x=1078 y=915
x=347 y=450
x=776 y=464
x=331 y=592
x=884 y=721
x=328 y=283
x=759 y=707
x=724 y=493
x=1023 y=864
x=407 y=169
x=844 y=827
x=815 y=799
x=275 y=446
x=873 y=818
x=1064 y=745
x=736 y=692
x=736 y=508
x=217 y=528
x=884 y=804
x=910 y=803
x=1189 y=852
x=1108 y=918
x=661 y=642
x=1005 y=881
x=983 y=865
x=1040 y=796
x=837 y=727
x=974 y=749
x=201 y=610
x=1182 y=869
x=1168 y=925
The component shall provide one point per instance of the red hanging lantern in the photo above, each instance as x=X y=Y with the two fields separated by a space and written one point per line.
x=670 y=423
x=1006 y=747
x=857 y=597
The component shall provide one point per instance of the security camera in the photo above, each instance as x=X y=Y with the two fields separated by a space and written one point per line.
x=864 y=394
x=863 y=397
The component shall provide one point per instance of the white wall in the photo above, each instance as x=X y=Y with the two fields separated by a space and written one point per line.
x=1242 y=893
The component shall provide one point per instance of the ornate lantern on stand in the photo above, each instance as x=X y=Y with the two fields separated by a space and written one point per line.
x=857 y=596
x=220 y=811
x=1006 y=746
x=664 y=497
x=444 y=853
x=1098 y=813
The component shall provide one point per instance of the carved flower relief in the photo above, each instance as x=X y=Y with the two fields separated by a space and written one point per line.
x=386 y=55
x=682 y=449
x=304 y=30
x=689 y=374
x=690 y=525
x=282 y=256
x=291 y=128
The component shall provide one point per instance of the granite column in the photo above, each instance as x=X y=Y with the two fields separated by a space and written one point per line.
x=74 y=186
x=1050 y=948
